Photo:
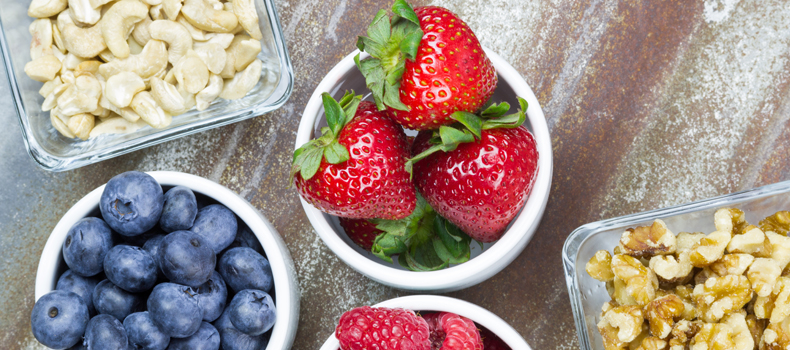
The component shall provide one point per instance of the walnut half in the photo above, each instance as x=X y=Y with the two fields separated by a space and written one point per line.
x=661 y=314
x=641 y=282
x=600 y=266
x=648 y=241
x=720 y=296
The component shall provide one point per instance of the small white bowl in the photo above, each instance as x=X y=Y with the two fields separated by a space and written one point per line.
x=437 y=303
x=286 y=286
x=483 y=265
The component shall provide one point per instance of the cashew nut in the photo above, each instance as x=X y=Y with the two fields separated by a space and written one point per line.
x=83 y=42
x=99 y=3
x=41 y=45
x=214 y=56
x=248 y=17
x=106 y=55
x=197 y=34
x=205 y=96
x=156 y=12
x=121 y=88
x=81 y=125
x=46 y=8
x=45 y=68
x=83 y=12
x=153 y=2
x=71 y=61
x=68 y=77
x=81 y=97
x=167 y=96
x=221 y=39
x=151 y=61
x=116 y=125
x=101 y=112
x=57 y=37
x=170 y=77
x=241 y=52
x=49 y=86
x=203 y=16
x=172 y=8
x=59 y=125
x=91 y=67
x=189 y=99
x=126 y=112
x=145 y=106
x=175 y=35
x=243 y=81
x=117 y=23
x=191 y=72
x=141 y=32
x=51 y=101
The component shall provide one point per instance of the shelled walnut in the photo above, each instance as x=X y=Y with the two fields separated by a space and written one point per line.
x=737 y=297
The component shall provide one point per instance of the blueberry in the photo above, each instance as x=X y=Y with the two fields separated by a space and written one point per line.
x=234 y=339
x=105 y=333
x=131 y=203
x=174 y=308
x=82 y=286
x=86 y=244
x=185 y=258
x=206 y=338
x=211 y=297
x=143 y=333
x=217 y=224
x=152 y=247
x=252 y=311
x=243 y=268
x=112 y=300
x=179 y=210
x=59 y=319
x=130 y=268
x=245 y=238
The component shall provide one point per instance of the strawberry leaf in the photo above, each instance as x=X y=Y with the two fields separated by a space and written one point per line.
x=445 y=255
x=423 y=257
x=335 y=116
x=335 y=153
x=455 y=241
x=495 y=110
x=390 y=42
x=472 y=122
x=510 y=121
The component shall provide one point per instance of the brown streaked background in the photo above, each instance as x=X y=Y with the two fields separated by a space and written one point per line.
x=650 y=104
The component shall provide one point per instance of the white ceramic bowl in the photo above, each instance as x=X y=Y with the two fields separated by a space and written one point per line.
x=484 y=264
x=286 y=287
x=475 y=313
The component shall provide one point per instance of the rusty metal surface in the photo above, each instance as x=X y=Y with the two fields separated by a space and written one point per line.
x=650 y=104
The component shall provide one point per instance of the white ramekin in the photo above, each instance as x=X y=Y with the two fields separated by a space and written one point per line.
x=286 y=286
x=496 y=256
x=475 y=313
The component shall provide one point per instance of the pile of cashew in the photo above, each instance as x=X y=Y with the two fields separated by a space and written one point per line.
x=114 y=66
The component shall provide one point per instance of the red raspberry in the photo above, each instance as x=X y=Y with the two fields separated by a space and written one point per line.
x=368 y=328
x=491 y=341
x=453 y=332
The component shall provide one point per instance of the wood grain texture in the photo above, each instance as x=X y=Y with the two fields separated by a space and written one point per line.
x=650 y=104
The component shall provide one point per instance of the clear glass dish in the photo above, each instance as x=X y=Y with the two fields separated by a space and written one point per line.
x=588 y=295
x=54 y=152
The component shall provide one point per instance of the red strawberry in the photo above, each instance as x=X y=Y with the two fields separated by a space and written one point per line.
x=491 y=341
x=453 y=332
x=361 y=231
x=356 y=168
x=425 y=64
x=368 y=328
x=481 y=185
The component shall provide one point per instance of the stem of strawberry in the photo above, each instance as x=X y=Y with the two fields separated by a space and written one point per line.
x=469 y=127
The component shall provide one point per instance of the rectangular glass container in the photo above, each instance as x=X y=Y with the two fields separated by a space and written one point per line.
x=587 y=294
x=54 y=152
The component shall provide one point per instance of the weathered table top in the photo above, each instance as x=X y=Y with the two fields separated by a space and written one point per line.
x=650 y=104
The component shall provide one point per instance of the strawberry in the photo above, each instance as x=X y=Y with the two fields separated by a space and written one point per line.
x=491 y=341
x=382 y=328
x=361 y=231
x=356 y=168
x=425 y=64
x=478 y=178
x=453 y=332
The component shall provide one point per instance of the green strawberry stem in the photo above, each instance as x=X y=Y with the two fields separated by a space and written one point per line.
x=469 y=127
x=307 y=159
x=390 y=42
x=424 y=241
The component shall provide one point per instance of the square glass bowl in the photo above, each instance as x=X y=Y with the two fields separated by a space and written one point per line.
x=54 y=152
x=588 y=294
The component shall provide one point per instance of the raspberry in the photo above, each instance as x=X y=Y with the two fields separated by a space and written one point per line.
x=372 y=328
x=453 y=332
x=491 y=341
